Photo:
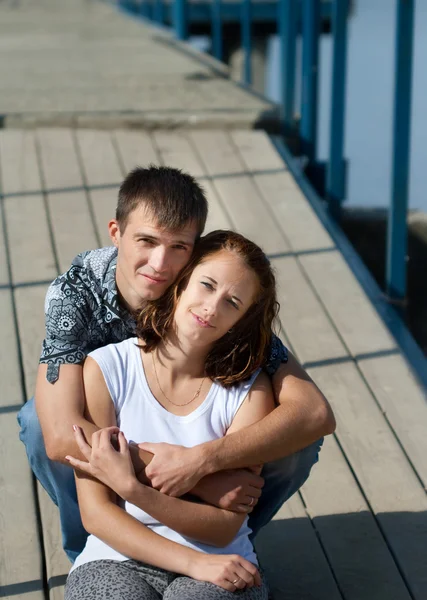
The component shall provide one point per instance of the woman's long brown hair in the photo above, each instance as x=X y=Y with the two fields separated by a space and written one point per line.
x=238 y=354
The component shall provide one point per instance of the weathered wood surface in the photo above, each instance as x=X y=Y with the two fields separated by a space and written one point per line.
x=359 y=527
x=85 y=63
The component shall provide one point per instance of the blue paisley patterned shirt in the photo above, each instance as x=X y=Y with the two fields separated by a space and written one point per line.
x=83 y=313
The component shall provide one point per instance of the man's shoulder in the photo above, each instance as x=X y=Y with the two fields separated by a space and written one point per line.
x=90 y=270
x=95 y=262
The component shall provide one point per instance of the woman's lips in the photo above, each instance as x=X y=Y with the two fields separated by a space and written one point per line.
x=201 y=322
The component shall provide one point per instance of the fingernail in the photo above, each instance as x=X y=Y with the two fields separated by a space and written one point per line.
x=67 y=457
x=75 y=427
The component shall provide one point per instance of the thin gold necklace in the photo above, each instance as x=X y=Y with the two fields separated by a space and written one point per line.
x=196 y=395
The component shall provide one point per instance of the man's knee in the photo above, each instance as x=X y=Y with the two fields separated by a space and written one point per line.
x=297 y=464
x=29 y=421
x=30 y=432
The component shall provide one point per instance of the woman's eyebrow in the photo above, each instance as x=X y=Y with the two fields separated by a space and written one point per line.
x=213 y=281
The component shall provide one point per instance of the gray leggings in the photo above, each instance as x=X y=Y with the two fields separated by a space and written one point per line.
x=133 y=580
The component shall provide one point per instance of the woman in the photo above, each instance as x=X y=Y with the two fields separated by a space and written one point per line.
x=192 y=375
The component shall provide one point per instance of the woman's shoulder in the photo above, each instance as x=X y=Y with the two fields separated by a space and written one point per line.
x=115 y=350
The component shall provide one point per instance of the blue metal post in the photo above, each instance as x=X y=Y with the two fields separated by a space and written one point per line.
x=145 y=9
x=397 y=228
x=158 y=12
x=335 y=182
x=216 y=27
x=310 y=68
x=180 y=19
x=246 y=20
x=287 y=28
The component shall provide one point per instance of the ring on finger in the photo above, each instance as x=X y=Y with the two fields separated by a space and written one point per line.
x=235 y=581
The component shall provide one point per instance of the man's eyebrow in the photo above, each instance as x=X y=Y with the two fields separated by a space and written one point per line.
x=156 y=238
x=145 y=235
x=213 y=281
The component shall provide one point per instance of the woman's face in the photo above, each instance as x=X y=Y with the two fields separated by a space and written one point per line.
x=219 y=292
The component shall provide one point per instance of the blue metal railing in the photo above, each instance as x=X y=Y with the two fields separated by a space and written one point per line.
x=303 y=17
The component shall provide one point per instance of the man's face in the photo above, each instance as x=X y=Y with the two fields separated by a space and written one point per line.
x=149 y=257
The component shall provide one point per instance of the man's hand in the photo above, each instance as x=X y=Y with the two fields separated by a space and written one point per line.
x=112 y=467
x=236 y=490
x=174 y=470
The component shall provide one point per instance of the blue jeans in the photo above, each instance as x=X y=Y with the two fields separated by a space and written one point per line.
x=282 y=479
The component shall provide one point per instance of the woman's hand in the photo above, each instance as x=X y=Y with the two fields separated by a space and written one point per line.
x=229 y=571
x=112 y=467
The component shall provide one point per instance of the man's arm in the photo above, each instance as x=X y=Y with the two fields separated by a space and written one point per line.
x=59 y=406
x=302 y=416
x=207 y=524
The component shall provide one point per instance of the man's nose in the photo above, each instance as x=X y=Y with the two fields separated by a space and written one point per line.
x=158 y=259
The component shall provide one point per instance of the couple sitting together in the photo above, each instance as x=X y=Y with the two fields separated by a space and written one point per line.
x=187 y=422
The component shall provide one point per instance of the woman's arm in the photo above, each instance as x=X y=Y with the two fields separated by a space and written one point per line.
x=203 y=522
x=100 y=514
x=102 y=517
x=198 y=521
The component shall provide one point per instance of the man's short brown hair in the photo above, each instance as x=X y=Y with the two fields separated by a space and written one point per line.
x=173 y=197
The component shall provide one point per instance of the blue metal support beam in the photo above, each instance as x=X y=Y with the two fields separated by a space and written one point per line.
x=216 y=25
x=180 y=19
x=310 y=70
x=336 y=175
x=246 y=21
x=397 y=226
x=159 y=12
x=287 y=27
x=145 y=9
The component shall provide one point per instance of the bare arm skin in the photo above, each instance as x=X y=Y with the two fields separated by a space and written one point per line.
x=131 y=538
x=302 y=416
x=201 y=522
x=60 y=406
x=103 y=518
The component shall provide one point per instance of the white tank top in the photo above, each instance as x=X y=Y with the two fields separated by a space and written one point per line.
x=143 y=419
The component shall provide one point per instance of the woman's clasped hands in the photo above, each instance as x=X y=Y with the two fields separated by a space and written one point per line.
x=229 y=571
x=112 y=467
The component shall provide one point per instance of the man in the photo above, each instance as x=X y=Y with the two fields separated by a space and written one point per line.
x=160 y=214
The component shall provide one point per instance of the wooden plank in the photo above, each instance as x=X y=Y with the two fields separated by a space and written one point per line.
x=70 y=214
x=296 y=218
x=304 y=322
x=30 y=312
x=353 y=314
x=238 y=194
x=376 y=352
x=19 y=165
x=361 y=561
x=30 y=303
x=176 y=151
x=135 y=149
x=98 y=157
x=31 y=252
x=370 y=446
x=57 y=563
x=389 y=484
x=292 y=558
x=20 y=552
x=4 y=273
x=59 y=160
x=104 y=204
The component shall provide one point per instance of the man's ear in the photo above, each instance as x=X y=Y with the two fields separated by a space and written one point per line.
x=114 y=231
